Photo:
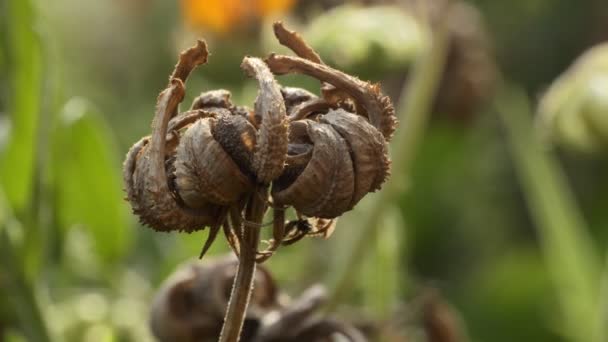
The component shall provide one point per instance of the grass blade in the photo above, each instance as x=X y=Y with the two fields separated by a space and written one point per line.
x=24 y=68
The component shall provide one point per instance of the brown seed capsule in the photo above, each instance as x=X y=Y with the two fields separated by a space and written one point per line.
x=368 y=151
x=145 y=175
x=356 y=145
x=326 y=185
x=271 y=148
x=321 y=155
x=204 y=172
x=190 y=305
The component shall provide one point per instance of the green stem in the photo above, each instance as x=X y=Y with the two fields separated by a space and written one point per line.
x=566 y=244
x=413 y=109
x=603 y=322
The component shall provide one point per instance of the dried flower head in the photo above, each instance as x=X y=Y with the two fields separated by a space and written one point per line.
x=319 y=155
x=190 y=307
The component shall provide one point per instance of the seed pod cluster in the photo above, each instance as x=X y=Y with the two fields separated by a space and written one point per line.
x=319 y=154
x=190 y=307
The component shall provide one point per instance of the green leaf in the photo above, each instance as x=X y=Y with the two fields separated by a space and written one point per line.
x=568 y=250
x=86 y=180
x=24 y=69
x=4 y=210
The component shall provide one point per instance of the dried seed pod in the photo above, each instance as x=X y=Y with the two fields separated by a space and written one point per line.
x=190 y=304
x=194 y=165
x=346 y=159
x=271 y=148
x=354 y=144
x=145 y=176
x=201 y=167
x=204 y=171
x=368 y=148
x=190 y=307
x=325 y=187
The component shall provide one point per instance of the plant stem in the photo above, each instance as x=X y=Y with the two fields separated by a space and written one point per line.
x=414 y=106
x=568 y=250
x=603 y=322
x=243 y=281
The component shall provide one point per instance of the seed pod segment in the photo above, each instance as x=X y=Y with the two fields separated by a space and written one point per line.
x=271 y=149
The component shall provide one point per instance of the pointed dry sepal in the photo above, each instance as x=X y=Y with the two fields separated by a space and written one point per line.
x=378 y=107
x=295 y=43
x=271 y=142
x=190 y=59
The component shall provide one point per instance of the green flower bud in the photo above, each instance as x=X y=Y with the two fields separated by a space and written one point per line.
x=368 y=40
x=574 y=111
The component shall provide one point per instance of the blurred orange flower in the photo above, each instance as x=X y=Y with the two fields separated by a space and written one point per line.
x=221 y=16
x=265 y=8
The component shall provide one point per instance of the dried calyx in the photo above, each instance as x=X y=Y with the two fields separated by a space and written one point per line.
x=319 y=155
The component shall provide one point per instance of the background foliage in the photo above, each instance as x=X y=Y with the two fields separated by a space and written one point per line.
x=512 y=235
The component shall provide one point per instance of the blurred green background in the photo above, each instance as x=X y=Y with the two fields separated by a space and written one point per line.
x=511 y=232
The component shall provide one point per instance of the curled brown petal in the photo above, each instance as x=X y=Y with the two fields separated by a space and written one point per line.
x=325 y=187
x=369 y=151
x=190 y=59
x=187 y=118
x=303 y=110
x=295 y=43
x=271 y=143
x=378 y=106
x=294 y=96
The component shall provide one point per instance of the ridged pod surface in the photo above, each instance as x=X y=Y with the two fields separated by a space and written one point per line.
x=368 y=151
x=145 y=176
x=325 y=187
x=271 y=148
x=204 y=172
